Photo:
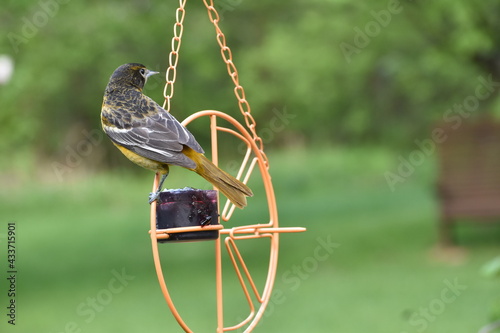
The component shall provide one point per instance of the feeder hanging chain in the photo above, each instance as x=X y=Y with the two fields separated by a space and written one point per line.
x=227 y=56
x=173 y=57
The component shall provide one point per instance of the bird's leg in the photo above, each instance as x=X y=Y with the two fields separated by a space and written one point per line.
x=163 y=177
x=154 y=195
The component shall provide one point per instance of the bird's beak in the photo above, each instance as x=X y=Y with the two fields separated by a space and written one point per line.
x=149 y=73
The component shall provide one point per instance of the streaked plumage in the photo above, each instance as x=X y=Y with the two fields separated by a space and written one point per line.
x=151 y=137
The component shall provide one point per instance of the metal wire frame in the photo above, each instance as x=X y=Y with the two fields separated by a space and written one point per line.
x=254 y=157
x=269 y=230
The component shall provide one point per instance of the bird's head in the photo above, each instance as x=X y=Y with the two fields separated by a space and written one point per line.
x=130 y=75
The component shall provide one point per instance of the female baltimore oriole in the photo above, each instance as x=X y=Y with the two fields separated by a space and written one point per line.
x=151 y=137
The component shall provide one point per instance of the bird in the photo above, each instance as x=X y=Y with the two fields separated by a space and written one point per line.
x=152 y=138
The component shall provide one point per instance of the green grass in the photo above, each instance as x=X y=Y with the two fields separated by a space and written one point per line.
x=381 y=275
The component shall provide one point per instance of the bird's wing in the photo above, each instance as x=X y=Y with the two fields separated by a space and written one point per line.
x=153 y=133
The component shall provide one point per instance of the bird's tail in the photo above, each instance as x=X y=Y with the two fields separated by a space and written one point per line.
x=231 y=187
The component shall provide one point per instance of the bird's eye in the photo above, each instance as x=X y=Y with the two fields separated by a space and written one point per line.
x=142 y=71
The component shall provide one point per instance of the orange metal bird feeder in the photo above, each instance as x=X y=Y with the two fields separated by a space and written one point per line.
x=254 y=159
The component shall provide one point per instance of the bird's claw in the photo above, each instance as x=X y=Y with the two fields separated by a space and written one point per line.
x=206 y=221
x=153 y=196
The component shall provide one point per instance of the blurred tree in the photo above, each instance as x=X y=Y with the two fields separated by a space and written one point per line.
x=349 y=72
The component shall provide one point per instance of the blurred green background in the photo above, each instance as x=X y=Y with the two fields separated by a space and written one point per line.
x=340 y=90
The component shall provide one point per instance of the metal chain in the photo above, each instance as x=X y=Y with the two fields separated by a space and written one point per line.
x=227 y=56
x=173 y=57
